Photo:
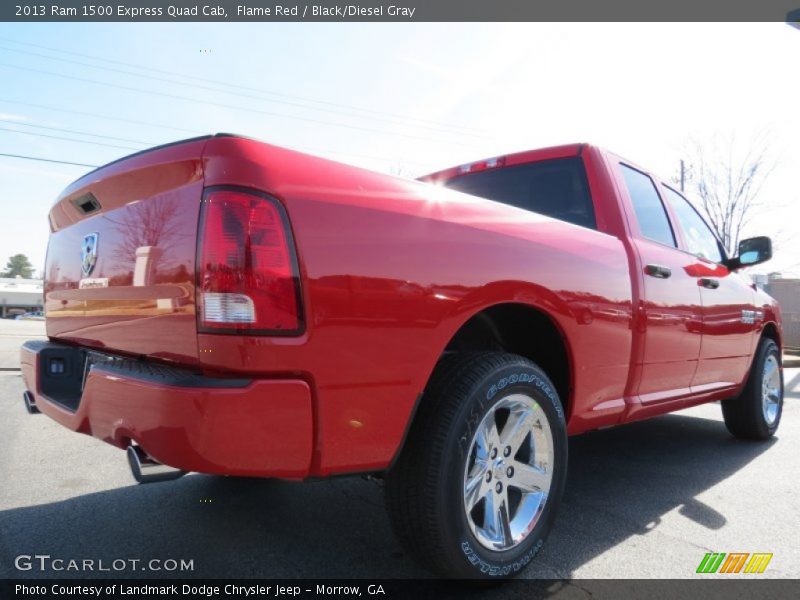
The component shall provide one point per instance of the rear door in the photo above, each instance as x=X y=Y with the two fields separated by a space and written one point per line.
x=670 y=307
x=728 y=298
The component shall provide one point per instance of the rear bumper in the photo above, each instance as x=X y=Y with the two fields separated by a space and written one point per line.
x=250 y=427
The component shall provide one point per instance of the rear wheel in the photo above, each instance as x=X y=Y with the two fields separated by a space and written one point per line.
x=475 y=490
x=756 y=412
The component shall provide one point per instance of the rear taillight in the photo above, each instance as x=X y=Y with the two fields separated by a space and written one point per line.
x=247 y=279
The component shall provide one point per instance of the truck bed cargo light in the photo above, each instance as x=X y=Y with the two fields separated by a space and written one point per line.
x=482 y=165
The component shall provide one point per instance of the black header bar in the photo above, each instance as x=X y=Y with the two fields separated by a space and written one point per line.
x=392 y=589
x=403 y=11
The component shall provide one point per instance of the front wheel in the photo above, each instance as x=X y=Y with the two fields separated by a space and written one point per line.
x=475 y=491
x=756 y=412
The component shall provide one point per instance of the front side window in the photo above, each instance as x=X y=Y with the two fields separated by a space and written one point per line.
x=556 y=188
x=650 y=212
x=700 y=240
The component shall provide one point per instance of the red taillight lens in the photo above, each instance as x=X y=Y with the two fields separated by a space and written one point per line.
x=247 y=277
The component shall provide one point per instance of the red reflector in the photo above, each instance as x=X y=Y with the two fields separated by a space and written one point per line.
x=247 y=278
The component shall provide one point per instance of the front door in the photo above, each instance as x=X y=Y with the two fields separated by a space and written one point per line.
x=730 y=319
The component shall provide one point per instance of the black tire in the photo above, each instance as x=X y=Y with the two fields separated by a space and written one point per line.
x=425 y=488
x=744 y=415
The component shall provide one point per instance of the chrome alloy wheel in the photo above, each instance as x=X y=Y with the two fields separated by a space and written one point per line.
x=771 y=391
x=508 y=473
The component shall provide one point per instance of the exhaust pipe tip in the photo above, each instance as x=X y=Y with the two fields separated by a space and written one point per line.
x=30 y=403
x=145 y=469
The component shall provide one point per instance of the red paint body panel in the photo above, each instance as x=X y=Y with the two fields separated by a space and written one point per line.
x=149 y=204
x=266 y=427
x=390 y=269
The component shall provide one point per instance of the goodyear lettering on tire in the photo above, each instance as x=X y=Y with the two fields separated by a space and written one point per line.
x=526 y=378
x=495 y=570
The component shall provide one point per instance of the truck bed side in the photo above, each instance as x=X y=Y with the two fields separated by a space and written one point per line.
x=391 y=269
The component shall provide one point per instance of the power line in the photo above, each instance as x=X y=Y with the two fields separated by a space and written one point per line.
x=300 y=148
x=228 y=106
x=65 y=162
x=390 y=120
x=66 y=139
x=48 y=160
x=465 y=129
x=98 y=116
x=98 y=135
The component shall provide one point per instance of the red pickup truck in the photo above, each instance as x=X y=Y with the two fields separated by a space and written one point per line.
x=225 y=306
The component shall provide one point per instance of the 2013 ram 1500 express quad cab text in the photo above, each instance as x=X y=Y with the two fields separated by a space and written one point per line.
x=225 y=306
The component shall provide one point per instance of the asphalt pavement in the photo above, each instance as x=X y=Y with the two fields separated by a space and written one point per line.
x=645 y=500
x=12 y=335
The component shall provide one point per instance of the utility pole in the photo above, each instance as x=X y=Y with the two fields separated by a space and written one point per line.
x=683 y=176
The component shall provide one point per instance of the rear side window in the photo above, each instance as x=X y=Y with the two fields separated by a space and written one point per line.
x=700 y=240
x=650 y=212
x=556 y=188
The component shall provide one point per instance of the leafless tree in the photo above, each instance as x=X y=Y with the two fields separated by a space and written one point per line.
x=154 y=222
x=400 y=169
x=728 y=177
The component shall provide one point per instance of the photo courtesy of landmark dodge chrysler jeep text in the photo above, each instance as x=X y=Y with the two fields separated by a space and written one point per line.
x=225 y=306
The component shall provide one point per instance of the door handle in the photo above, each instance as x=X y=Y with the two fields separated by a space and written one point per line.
x=658 y=271
x=711 y=284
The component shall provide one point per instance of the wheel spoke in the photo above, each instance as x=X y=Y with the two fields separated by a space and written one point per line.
x=505 y=520
x=530 y=479
x=516 y=429
x=493 y=522
x=485 y=440
x=475 y=490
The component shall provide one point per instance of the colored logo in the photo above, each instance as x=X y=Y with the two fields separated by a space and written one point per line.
x=735 y=562
x=89 y=253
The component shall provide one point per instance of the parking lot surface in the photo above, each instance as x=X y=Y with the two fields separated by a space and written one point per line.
x=12 y=335
x=642 y=500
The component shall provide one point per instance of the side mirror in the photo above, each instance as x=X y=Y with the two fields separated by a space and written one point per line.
x=752 y=251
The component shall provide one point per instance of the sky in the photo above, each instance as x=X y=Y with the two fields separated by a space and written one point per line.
x=400 y=98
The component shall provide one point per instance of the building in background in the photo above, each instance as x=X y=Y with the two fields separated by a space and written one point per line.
x=787 y=293
x=18 y=296
x=760 y=279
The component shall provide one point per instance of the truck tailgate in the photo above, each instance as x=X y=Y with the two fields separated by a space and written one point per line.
x=120 y=266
